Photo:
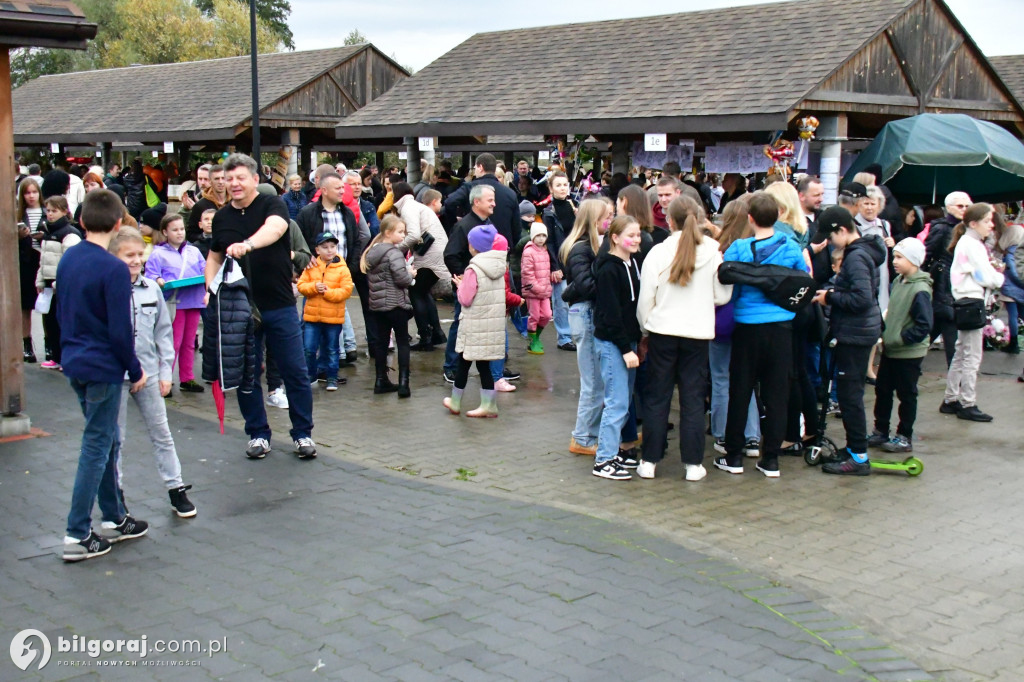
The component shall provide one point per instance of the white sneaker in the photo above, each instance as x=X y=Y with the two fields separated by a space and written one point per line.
x=695 y=472
x=503 y=386
x=278 y=398
x=645 y=469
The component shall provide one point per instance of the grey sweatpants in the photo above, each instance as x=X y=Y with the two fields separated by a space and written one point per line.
x=154 y=416
x=962 y=378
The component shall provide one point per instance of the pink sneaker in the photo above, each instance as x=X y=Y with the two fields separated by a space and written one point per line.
x=49 y=364
x=503 y=386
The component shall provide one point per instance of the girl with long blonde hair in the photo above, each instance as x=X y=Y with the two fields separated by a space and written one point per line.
x=578 y=253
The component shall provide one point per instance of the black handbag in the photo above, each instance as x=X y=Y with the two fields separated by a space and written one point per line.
x=969 y=313
x=425 y=243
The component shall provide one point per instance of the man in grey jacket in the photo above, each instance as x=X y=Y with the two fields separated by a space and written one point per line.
x=154 y=347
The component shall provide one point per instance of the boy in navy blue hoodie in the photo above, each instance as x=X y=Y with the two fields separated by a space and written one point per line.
x=98 y=349
x=762 y=348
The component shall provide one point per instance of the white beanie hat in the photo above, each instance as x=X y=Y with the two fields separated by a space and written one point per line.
x=912 y=249
x=538 y=228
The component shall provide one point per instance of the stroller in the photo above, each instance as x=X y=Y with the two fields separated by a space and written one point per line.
x=824 y=448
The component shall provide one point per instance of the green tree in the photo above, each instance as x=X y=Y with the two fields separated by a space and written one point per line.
x=274 y=14
x=355 y=37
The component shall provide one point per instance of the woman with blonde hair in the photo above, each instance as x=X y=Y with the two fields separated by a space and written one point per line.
x=792 y=220
x=679 y=290
x=578 y=252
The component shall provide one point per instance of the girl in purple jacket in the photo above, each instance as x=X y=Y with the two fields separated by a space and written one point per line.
x=173 y=260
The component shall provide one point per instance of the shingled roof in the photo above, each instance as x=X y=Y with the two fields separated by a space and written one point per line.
x=1011 y=70
x=722 y=66
x=187 y=101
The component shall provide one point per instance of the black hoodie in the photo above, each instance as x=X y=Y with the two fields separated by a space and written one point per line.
x=618 y=287
x=856 y=319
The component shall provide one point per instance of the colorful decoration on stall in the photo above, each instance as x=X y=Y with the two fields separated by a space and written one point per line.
x=780 y=151
x=807 y=125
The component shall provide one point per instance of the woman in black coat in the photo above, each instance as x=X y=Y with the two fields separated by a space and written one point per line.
x=31 y=219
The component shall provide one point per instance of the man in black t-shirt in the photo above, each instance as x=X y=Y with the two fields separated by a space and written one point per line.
x=253 y=229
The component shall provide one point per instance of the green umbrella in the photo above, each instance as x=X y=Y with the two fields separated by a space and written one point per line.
x=925 y=157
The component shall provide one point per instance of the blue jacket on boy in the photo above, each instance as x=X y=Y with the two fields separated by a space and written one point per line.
x=751 y=306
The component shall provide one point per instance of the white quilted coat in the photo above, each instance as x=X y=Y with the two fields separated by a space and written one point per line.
x=482 y=325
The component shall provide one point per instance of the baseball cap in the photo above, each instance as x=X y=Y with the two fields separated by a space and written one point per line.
x=854 y=190
x=326 y=237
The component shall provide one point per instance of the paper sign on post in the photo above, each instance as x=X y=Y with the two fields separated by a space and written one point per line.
x=99 y=154
x=54 y=148
x=403 y=156
x=543 y=155
x=655 y=142
x=155 y=154
x=168 y=147
x=829 y=165
x=426 y=144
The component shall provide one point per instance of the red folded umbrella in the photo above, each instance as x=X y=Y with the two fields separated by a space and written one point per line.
x=218 y=400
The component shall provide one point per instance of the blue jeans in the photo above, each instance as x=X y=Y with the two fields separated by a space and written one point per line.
x=451 y=358
x=280 y=331
x=97 y=475
x=322 y=338
x=560 y=312
x=348 y=333
x=1011 y=318
x=719 y=353
x=498 y=366
x=618 y=388
x=588 y=411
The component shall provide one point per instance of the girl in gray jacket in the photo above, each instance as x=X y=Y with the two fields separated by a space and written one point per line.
x=389 y=278
x=154 y=346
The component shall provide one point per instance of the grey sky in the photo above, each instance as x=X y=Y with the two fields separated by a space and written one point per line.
x=417 y=32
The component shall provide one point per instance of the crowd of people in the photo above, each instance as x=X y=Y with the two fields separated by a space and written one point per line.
x=631 y=273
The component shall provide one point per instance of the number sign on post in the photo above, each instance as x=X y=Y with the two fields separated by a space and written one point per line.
x=426 y=144
x=655 y=142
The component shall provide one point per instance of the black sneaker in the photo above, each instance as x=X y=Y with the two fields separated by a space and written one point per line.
x=847 y=467
x=768 y=467
x=611 y=470
x=321 y=377
x=79 y=550
x=191 y=386
x=877 y=439
x=509 y=374
x=752 y=448
x=305 y=448
x=794 y=449
x=627 y=459
x=973 y=414
x=570 y=346
x=898 y=444
x=833 y=408
x=449 y=376
x=351 y=356
x=720 y=445
x=258 y=448
x=180 y=502
x=951 y=408
x=723 y=464
x=126 y=530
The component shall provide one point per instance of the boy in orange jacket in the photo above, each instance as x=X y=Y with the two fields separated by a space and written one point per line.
x=326 y=284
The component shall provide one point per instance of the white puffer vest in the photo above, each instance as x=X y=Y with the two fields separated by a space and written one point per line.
x=481 y=333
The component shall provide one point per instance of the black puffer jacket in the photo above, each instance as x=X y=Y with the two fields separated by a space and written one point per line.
x=579 y=273
x=134 y=181
x=937 y=263
x=229 y=346
x=856 y=319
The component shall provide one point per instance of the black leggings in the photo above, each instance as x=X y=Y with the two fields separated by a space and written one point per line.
x=428 y=324
x=802 y=397
x=384 y=321
x=482 y=366
x=51 y=329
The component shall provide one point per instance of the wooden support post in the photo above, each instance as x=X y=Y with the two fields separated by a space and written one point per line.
x=832 y=133
x=12 y=381
x=620 y=156
x=378 y=161
x=106 y=149
x=465 y=163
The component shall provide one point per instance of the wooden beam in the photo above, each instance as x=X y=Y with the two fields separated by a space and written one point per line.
x=12 y=381
x=901 y=59
x=861 y=98
x=344 y=92
x=368 y=85
x=926 y=95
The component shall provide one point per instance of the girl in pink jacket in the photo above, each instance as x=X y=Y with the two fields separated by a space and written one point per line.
x=536 y=277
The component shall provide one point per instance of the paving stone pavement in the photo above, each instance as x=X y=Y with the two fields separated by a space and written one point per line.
x=926 y=564
x=331 y=569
